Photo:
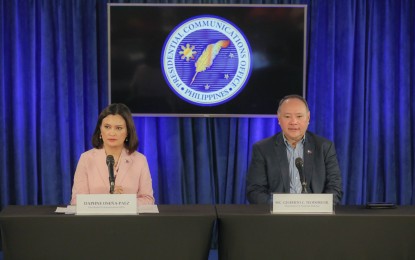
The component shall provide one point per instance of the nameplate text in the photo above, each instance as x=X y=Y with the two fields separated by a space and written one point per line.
x=106 y=204
x=302 y=203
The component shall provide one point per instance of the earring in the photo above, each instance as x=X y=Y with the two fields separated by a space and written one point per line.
x=126 y=140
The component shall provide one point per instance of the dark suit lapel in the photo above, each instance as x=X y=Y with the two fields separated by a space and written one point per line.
x=281 y=154
x=309 y=151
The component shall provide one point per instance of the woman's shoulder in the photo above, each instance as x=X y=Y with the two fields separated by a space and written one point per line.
x=92 y=153
x=137 y=157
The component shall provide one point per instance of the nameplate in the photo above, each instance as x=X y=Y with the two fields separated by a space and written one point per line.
x=106 y=204
x=302 y=203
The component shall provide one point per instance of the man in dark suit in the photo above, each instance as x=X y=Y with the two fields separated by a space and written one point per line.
x=272 y=168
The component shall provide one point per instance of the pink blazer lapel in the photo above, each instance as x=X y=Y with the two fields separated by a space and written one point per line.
x=126 y=161
x=101 y=165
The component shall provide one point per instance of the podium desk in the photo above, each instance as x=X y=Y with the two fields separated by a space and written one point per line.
x=252 y=232
x=177 y=232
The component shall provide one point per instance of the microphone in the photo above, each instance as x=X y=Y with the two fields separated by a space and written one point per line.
x=300 y=165
x=110 y=164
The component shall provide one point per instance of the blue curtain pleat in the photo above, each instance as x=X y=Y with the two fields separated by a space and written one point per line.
x=54 y=82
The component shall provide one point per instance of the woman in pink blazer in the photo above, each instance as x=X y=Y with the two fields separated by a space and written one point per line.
x=114 y=135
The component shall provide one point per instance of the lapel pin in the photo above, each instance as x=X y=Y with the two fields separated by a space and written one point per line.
x=309 y=152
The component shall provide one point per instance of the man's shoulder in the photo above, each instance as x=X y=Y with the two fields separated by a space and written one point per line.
x=272 y=140
x=317 y=139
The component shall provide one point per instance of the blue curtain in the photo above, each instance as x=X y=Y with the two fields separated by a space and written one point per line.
x=360 y=87
x=53 y=84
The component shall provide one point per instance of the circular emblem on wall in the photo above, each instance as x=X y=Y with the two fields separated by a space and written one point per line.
x=206 y=60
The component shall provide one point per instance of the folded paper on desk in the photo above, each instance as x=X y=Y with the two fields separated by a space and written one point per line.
x=66 y=210
x=147 y=209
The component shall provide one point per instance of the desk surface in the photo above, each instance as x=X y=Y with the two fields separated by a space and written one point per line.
x=164 y=210
x=184 y=232
x=177 y=232
x=244 y=210
x=252 y=232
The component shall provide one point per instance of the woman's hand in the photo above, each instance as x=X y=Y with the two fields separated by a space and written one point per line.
x=118 y=190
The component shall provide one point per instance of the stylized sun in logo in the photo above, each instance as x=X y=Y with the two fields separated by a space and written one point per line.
x=187 y=52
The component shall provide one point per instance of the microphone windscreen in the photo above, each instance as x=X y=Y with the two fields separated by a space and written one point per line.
x=110 y=160
x=299 y=162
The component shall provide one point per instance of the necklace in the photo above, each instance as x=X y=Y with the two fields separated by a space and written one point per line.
x=117 y=163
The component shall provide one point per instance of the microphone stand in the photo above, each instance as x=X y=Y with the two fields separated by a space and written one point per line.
x=304 y=187
x=299 y=163
x=110 y=164
x=112 y=185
